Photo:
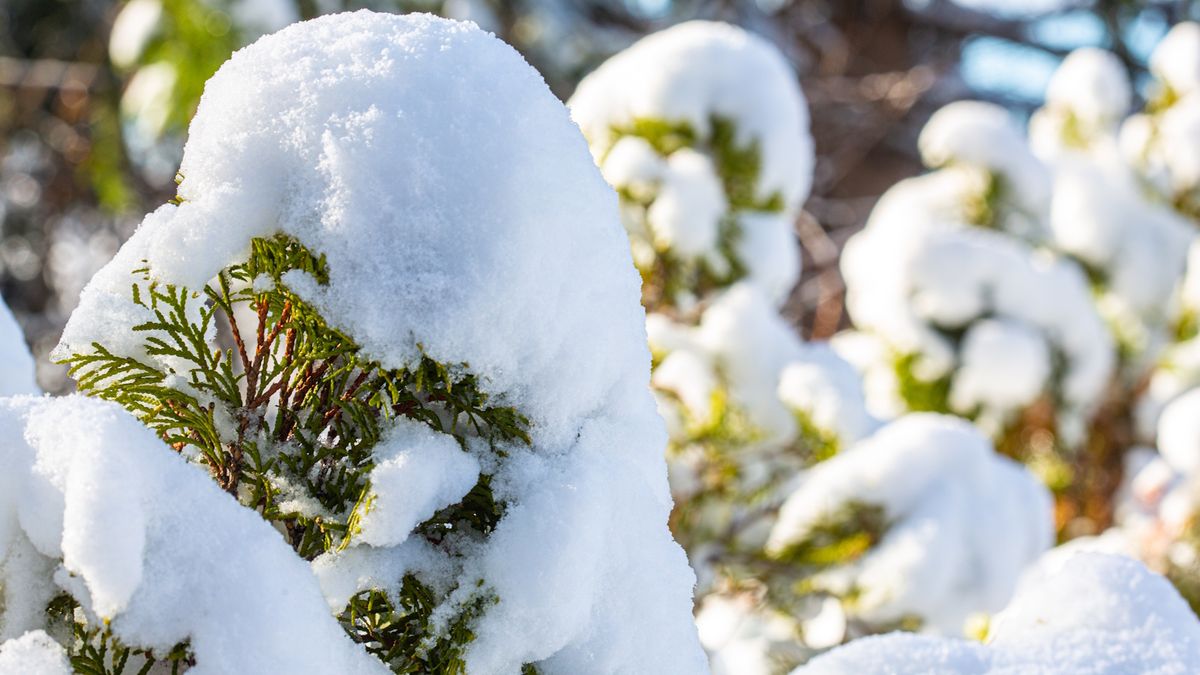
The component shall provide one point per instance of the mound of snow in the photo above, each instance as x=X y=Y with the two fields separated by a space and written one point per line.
x=1097 y=614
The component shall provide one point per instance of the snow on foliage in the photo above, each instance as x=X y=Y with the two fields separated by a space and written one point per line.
x=1095 y=613
x=150 y=547
x=703 y=130
x=919 y=526
x=1132 y=248
x=16 y=363
x=957 y=524
x=360 y=249
x=1088 y=97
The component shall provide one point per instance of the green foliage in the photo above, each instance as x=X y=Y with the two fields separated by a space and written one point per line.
x=740 y=167
x=193 y=39
x=920 y=395
x=664 y=136
x=814 y=443
x=292 y=404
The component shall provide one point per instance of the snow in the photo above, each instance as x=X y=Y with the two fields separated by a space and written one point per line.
x=1003 y=362
x=962 y=522
x=1179 y=433
x=1093 y=84
x=418 y=472
x=1099 y=614
x=140 y=534
x=984 y=135
x=16 y=363
x=828 y=389
x=1099 y=216
x=739 y=339
x=34 y=653
x=476 y=235
x=692 y=74
x=1176 y=59
x=686 y=214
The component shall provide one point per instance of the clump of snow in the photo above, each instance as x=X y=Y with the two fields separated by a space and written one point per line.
x=984 y=136
x=1179 y=433
x=686 y=214
x=694 y=71
x=1097 y=613
x=16 y=363
x=1086 y=100
x=742 y=639
x=827 y=389
x=34 y=653
x=146 y=541
x=418 y=472
x=1100 y=214
x=471 y=234
x=696 y=76
x=962 y=523
x=1176 y=58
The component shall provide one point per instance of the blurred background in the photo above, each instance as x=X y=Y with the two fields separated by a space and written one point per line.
x=95 y=98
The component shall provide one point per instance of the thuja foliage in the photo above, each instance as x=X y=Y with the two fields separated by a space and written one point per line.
x=248 y=379
x=738 y=166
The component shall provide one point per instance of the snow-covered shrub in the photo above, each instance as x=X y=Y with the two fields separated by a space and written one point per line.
x=1095 y=613
x=974 y=322
x=951 y=524
x=1132 y=248
x=1160 y=141
x=357 y=316
x=920 y=526
x=703 y=130
x=1158 y=505
x=748 y=406
x=16 y=363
